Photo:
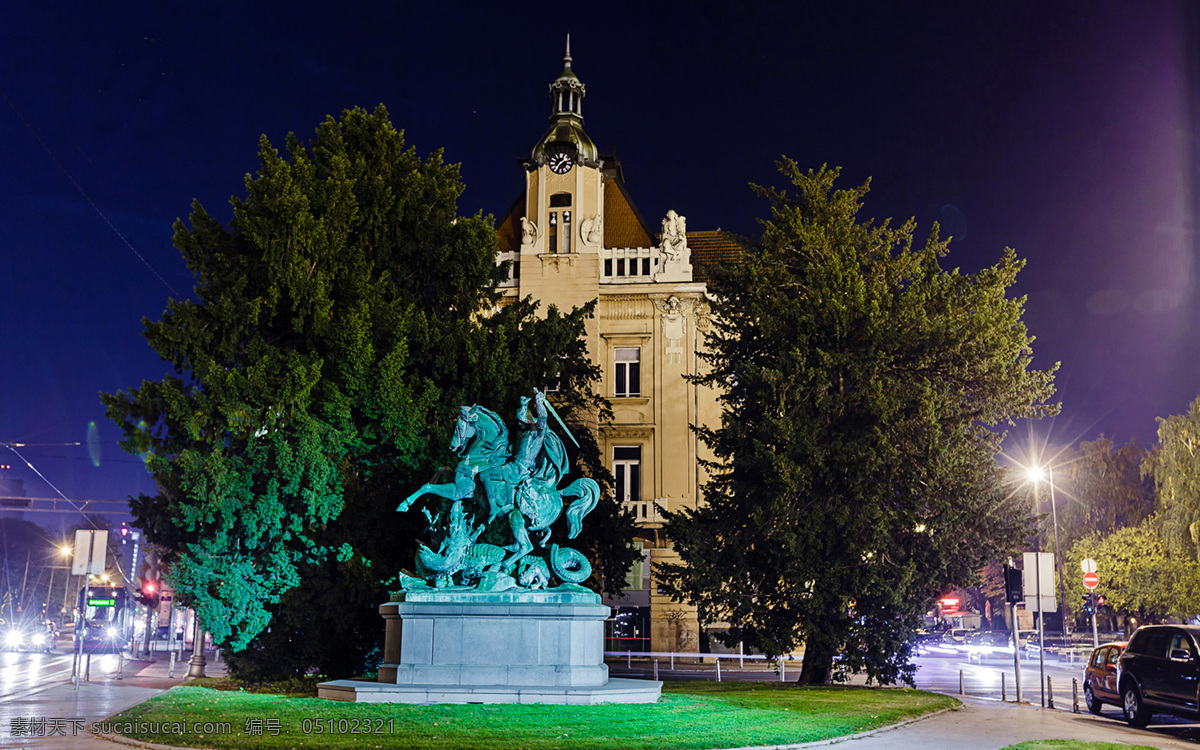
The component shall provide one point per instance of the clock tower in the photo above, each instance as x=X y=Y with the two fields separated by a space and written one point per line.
x=574 y=237
x=562 y=226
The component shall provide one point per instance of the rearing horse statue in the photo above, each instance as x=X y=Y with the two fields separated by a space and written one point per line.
x=482 y=439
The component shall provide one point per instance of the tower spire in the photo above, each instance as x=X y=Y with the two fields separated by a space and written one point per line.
x=566 y=116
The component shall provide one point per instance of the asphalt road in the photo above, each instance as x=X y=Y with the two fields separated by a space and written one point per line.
x=21 y=672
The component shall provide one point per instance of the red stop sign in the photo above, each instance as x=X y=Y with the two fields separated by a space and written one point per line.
x=1091 y=580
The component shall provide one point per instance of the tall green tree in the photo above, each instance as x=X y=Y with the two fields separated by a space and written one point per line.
x=1101 y=489
x=1175 y=466
x=1138 y=573
x=340 y=319
x=856 y=471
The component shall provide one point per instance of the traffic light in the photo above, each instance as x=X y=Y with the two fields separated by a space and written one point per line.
x=1087 y=604
x=148 y=593
x=1014 y=590
x=1101 y=601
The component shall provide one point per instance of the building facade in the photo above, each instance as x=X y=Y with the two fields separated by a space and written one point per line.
x=574 y=235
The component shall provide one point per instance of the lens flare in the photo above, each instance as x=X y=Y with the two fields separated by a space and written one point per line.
x=93 y=443
x=953 y=221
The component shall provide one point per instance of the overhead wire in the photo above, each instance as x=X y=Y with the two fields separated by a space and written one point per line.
x=79 y=188
x=17 y=453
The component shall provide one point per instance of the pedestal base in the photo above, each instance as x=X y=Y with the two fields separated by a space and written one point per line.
x=614 y=691
x=465 y=646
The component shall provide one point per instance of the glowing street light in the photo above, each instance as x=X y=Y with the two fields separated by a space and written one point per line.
x=1036 y=474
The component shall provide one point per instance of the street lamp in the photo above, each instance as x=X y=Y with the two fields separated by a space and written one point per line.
x=66 y=551
x=1036 y=475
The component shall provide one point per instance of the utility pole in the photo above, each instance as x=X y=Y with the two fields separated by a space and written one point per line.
x=151 y=583
x=1062 y=592
x=25 y=579
x=49 y=591
x=1013 y=591
x=85 y=563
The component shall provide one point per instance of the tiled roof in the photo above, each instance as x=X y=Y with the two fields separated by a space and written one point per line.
x=711 y=249
x=509 y=229
x=623 y=223
x=625 y=227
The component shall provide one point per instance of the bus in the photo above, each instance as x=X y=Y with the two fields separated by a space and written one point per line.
x=105 y=619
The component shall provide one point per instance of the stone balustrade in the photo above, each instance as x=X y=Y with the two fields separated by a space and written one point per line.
x=647 y=511
x=629 y=265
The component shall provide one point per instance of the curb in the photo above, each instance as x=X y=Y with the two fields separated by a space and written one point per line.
x=849 y=737
x=120 y=739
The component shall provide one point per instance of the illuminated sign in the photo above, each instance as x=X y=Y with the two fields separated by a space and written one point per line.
x=94 y=602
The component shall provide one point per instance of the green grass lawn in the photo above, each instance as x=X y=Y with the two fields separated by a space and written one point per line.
x=690 y=715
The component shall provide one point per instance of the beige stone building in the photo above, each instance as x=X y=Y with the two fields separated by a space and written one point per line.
x=575 y=236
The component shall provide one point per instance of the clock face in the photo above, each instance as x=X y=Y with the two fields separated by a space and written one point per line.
x=560 y=162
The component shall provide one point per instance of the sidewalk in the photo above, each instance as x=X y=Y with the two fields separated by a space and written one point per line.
x=982 y=724
x=156 y=673
x=57 y=717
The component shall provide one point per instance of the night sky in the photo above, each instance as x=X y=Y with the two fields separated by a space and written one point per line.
x=1066 y=130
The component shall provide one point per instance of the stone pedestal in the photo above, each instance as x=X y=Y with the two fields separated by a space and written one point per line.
x=462 y=646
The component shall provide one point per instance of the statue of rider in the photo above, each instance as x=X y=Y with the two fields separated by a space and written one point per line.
x=501 y=482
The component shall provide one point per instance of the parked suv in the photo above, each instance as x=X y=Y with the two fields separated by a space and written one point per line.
x=1159 y=671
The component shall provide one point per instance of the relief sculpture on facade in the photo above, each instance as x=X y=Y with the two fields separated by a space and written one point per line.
x=591 y=231
x=674 y=326
x=528 y=231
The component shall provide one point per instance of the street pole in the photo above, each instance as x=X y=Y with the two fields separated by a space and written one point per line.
x=1037 y=566
x=1016 y=647
x=1041 y=613
x=150 y=608
x=24 y=580
x=1095 y=634
x=66 y=593
x=49 y=593
x=81 y=623
x=1062 y=599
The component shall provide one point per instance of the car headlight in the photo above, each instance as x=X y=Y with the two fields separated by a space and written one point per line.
x=13 y=638
x=111 y=632
x=38 y=639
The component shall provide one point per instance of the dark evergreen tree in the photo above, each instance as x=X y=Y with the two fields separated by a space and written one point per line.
x=856 y=472
x=340 y=320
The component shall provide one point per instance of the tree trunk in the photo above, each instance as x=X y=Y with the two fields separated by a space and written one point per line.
x=818 y=663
